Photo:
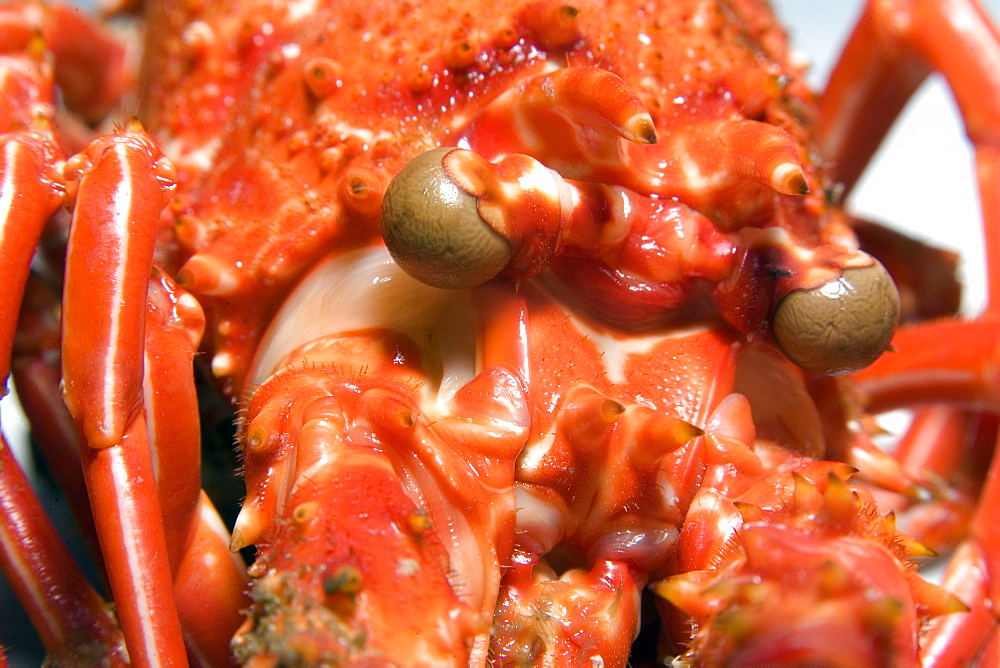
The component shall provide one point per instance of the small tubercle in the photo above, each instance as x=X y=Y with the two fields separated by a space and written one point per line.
x=205 y=275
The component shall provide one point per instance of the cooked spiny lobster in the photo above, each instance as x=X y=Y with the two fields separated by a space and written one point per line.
x=528 y=308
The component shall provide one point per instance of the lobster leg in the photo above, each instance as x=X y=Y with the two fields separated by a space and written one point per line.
x=892 y=49
x=28 y=197
x=209 y=580
x=70 y=615
x=90 y=67
x=116 y=239
x=973 y=575
x=954 y=363
x=119 y=187
x=942 y=361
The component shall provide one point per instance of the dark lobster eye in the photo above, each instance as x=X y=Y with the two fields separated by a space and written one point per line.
x=841 y=326
x=433 y=230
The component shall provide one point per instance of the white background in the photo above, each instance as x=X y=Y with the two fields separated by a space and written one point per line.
x=921 y=180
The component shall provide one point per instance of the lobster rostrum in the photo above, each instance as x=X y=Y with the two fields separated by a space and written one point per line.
x=544 y=324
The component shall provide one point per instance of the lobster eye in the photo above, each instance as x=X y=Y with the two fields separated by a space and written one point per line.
x=841 y=326
x=433 y=230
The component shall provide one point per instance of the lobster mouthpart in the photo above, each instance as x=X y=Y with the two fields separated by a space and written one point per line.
x=388 y=467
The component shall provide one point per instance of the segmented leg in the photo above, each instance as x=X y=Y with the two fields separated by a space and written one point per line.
x=140 y=439
x=89 y=63
x=118 y=188
x=72 y=619
x=891 y=51
x=69 y=614
x=893 y=48
x=209 y=580
x=132 y=345
x=955 y=363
